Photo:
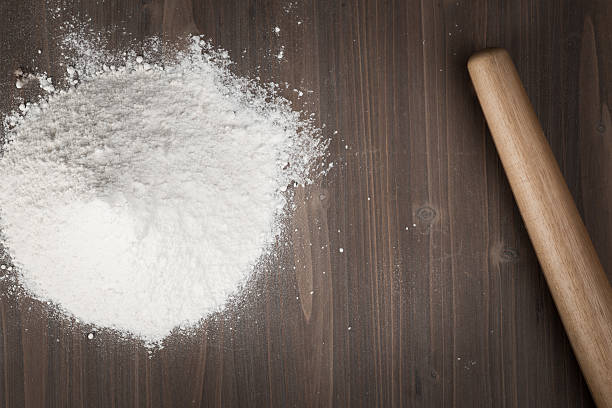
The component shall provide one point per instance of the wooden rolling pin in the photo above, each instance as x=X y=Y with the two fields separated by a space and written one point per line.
x=573 y=272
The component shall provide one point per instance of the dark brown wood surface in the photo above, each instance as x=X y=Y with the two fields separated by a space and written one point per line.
x=437 y=298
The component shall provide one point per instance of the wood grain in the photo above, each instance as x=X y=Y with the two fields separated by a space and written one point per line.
x=572 y=269
x=437 y=282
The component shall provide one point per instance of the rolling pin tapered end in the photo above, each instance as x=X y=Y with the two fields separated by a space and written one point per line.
x=486 y=58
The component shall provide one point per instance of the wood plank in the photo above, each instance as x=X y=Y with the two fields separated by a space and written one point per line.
x=437 y=280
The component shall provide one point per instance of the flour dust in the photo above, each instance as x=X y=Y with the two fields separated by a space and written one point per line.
x=141 y=196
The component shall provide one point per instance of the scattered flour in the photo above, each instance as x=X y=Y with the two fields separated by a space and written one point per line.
x=142 y=196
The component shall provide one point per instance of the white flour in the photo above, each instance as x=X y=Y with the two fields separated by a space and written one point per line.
x=142 y=198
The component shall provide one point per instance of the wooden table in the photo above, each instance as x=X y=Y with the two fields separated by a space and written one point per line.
x=437 y=298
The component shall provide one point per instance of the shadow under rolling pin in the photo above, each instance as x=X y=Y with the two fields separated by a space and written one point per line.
x=575 y=277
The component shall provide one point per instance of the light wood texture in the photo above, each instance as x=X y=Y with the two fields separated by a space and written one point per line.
x=570 y=264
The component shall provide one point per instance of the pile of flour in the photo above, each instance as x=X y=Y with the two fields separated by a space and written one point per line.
x=142 y=197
